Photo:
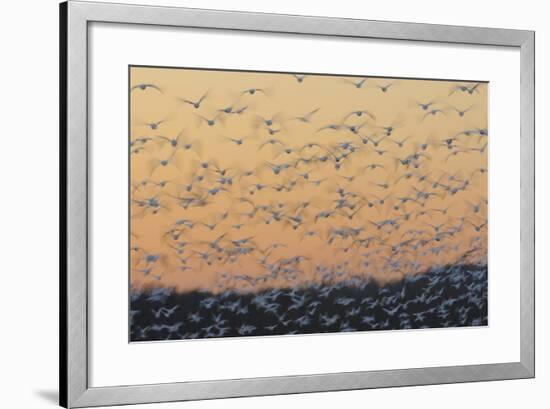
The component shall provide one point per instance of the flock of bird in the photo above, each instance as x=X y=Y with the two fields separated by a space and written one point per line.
x=236 y=197
x=445 y=297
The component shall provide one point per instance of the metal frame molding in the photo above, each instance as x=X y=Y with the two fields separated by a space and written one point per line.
x=75 y=390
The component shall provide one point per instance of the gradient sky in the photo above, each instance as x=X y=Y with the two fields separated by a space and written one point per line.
x=286 y=98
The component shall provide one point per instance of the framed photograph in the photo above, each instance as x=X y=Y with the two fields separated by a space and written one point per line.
x=258 y=204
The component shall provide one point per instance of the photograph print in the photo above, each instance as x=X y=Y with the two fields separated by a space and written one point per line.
x=271 y=203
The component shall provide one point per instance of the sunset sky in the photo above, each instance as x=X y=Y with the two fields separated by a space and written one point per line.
x=453 y=174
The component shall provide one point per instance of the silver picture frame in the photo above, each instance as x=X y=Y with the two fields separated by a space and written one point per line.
x=75 y=16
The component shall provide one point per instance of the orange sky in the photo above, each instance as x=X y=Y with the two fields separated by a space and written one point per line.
x=283 y=192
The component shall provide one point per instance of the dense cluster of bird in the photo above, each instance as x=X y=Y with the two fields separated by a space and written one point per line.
x=446 y=297
x=241 y=195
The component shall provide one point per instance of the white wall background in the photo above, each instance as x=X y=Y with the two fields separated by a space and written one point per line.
x=29 y=202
